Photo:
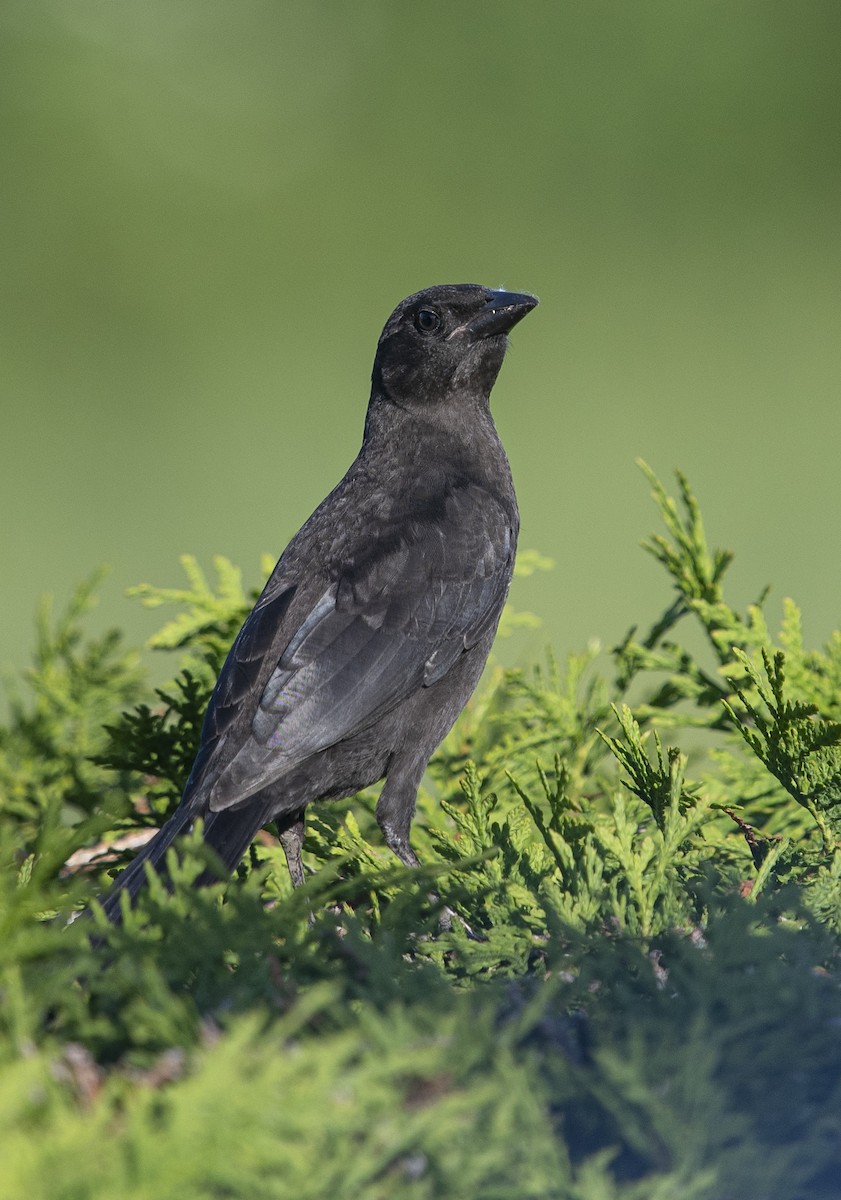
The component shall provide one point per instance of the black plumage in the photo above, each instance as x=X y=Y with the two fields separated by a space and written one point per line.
x=374 y=627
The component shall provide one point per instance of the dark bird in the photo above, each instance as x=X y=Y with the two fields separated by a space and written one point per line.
x=374 y=626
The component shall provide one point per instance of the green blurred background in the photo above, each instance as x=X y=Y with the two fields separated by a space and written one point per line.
x=209 y=209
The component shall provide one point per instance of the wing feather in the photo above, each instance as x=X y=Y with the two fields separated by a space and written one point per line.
x=392 y=623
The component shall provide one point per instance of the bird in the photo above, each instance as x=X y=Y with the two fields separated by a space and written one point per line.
x=375 y=625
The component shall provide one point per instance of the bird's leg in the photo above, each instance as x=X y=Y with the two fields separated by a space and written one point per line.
x=290 y=831
x=395 y=809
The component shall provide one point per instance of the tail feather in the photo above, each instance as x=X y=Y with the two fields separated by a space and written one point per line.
x=228 y=833
x=133 y=878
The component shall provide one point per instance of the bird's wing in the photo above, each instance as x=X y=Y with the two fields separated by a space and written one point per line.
x=233 y=696
x=396 y=620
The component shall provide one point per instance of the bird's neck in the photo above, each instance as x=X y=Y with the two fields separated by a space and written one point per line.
x=457 y=442
x=466 y=419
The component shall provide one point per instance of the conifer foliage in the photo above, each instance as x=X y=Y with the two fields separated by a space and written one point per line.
x=639 y=1000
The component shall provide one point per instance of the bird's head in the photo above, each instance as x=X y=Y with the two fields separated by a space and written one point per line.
x=446 y=339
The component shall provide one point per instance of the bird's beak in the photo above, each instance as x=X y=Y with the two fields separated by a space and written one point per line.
x=501 y=313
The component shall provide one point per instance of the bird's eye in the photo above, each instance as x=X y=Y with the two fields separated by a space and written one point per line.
x=427 y=320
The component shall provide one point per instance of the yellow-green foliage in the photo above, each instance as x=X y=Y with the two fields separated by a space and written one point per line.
x=638 y=997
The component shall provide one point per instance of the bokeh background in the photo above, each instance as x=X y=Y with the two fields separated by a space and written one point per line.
x=209 y=209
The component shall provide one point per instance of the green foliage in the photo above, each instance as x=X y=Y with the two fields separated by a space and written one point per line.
x=615 y=975
x=50 y=781
x=207 y=618
x=799 y=748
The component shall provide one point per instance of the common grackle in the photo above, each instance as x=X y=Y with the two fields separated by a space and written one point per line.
x=374 y=626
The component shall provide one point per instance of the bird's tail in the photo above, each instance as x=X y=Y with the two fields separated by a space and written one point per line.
x=228 y=833
x=133 y=878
